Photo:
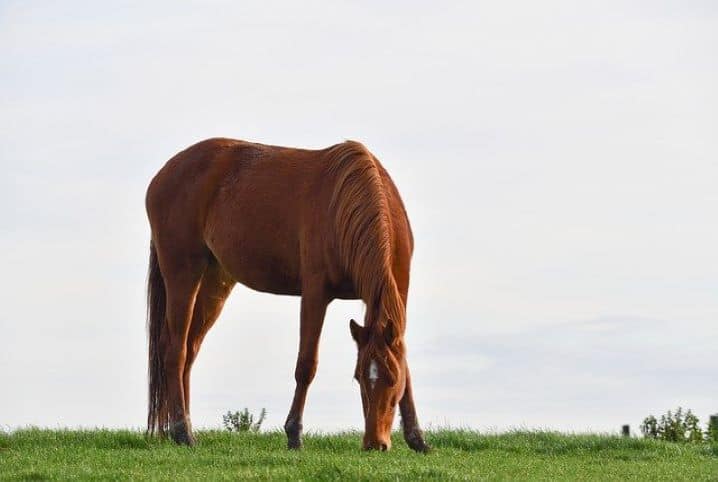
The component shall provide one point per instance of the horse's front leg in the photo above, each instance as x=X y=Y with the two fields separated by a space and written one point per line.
x=409 y=422
x=314 y=306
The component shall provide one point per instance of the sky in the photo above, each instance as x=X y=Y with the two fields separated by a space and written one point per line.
x=558 y=161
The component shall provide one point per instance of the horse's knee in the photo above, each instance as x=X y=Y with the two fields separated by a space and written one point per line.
x=306 y=369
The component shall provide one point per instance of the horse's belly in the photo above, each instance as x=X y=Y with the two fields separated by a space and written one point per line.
x=253 y=228
x=262 y=261
x=264 y=273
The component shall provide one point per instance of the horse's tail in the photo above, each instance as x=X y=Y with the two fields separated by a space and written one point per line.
x=157 y=415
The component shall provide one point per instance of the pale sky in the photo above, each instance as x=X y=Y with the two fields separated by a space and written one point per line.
x=558 y=161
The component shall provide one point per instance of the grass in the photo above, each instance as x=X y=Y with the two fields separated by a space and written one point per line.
x=36 y=454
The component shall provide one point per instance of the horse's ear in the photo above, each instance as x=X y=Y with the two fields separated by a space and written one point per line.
x=359 y=333
x=389 y=334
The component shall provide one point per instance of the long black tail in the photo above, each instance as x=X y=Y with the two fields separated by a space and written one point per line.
x=157 y=415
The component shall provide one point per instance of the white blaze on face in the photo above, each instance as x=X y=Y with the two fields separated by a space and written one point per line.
x=373 y=373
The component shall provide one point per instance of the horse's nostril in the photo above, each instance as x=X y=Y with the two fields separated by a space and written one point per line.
x=383 y=447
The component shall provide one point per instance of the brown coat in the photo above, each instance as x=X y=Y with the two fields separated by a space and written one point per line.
x=320 y=224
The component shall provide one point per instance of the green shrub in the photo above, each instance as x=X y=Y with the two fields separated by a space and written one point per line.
x=649 y=427
x=243 y=421
x=673 y=427
x=712 y=432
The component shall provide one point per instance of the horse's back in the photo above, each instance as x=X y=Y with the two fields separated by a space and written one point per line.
x=251 y=205
x=218 y=172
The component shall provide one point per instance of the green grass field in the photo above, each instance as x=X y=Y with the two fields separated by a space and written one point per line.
x=36 y=454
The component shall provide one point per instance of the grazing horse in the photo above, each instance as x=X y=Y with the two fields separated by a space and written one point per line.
x=320 y=224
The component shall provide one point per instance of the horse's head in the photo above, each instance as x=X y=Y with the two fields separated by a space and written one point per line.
x=381 y=373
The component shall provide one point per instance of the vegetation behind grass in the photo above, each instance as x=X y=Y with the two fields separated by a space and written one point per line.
x=35 y=454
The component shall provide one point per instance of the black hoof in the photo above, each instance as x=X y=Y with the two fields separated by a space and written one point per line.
x=294 y=434
x=417 y=443
x=294 y=443
x=420 y=447
x=182 y=434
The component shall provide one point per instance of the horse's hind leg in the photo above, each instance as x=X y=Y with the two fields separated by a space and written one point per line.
x=182 y=275
x=214 y=290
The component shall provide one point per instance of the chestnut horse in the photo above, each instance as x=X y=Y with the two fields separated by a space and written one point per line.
x=320 y=224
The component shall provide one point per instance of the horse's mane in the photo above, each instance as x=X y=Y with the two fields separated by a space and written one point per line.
x=363 y=226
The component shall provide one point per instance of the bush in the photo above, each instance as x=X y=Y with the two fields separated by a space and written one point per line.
x=243 y=421
x=712 y=432
x=673 y=427
x=649 y=427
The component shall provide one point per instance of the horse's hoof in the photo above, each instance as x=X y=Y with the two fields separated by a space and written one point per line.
x=417 y=444
x=293 y=429
x=182 y=434
x=294 y=444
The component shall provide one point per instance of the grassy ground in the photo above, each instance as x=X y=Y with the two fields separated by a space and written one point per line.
x=100 y=454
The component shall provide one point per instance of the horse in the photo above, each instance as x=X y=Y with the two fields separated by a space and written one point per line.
x=320 y=224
